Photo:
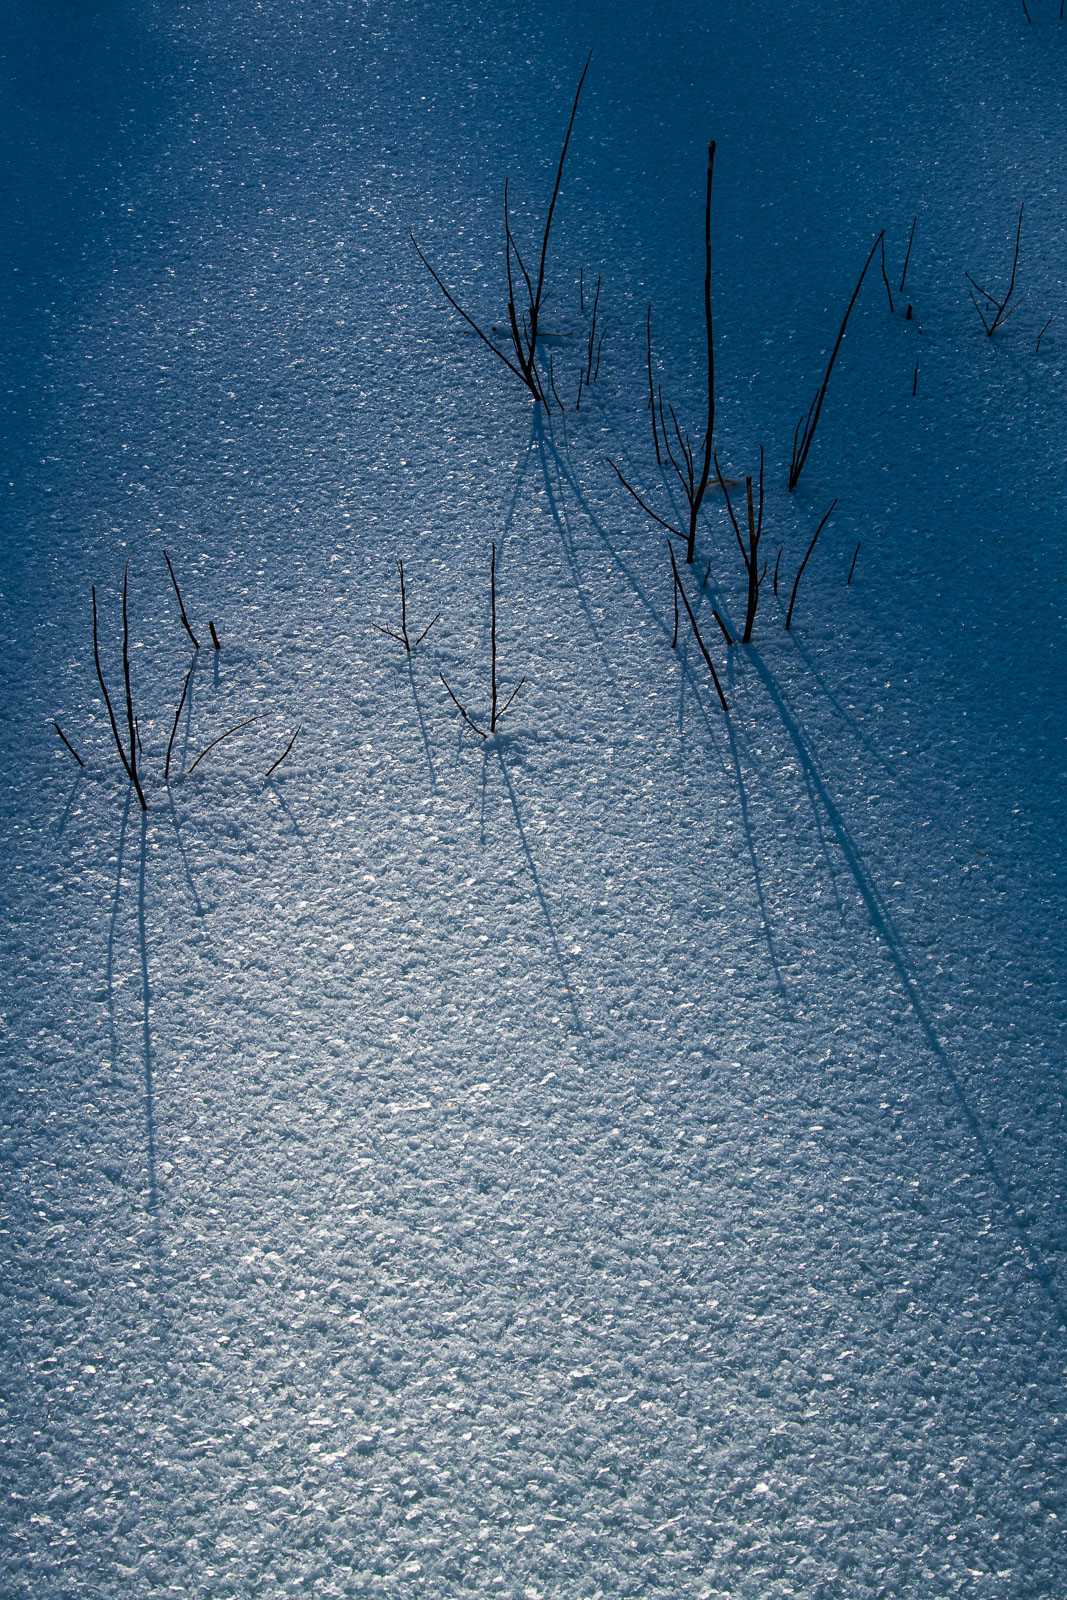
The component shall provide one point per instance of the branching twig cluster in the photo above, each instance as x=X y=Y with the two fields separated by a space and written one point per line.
x=524 y=324
x=997 y=311
x=403 y=637
x=127 y=739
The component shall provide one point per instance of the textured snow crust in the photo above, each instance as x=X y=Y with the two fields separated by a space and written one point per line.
x=626 y=1157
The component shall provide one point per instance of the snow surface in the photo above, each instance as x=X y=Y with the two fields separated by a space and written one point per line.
x=626 y=1157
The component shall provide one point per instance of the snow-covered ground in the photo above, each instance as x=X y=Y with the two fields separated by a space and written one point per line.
x=625 y=1157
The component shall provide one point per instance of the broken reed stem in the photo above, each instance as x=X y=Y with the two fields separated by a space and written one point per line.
x=852 y=568
x=885 y=277
x=274 y=767
x=68 y=744
x=777 y=558
x=696 y=630
x=915 y=378
x=1041 y=335
x=181 y=603
x=214 y=636
x=803 y=564
x=805 y=430
x=177 y=716
x=907 y=256
x=235 y=729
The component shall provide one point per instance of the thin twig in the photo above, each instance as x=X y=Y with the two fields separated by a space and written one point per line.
x=282 y=757
x=907 y=256
x=1041 y=335
x=647 y=509
x=885 y=276
x=800 y=456
x=777 y=558
x=852 y=568
x=181 y=603
x=599 y=347
x=214 y=637
x=592 y=336
x=725 y=630
x=236 y=729
x=424 y=632
x=177 y=715
x=696 y=630
x=454 y=303
x=480 y=732
x=803 y=564
x=915 y=378
x=68 y=744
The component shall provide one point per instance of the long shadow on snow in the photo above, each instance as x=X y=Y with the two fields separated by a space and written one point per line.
x=422 y=725
x=147 y=1056
x=894 y=944
x=539 y=891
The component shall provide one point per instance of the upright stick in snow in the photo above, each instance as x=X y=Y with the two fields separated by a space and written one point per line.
x=495 y=715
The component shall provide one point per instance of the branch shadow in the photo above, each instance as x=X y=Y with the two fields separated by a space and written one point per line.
x=198 y=904
x=422 y=726
x=74 y=792
x=560 y=959
x=902 y=962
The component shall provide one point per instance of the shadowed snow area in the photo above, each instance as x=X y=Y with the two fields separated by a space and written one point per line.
x=624 y=1156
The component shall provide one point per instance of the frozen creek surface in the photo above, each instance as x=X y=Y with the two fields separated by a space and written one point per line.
x=625 y=1157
